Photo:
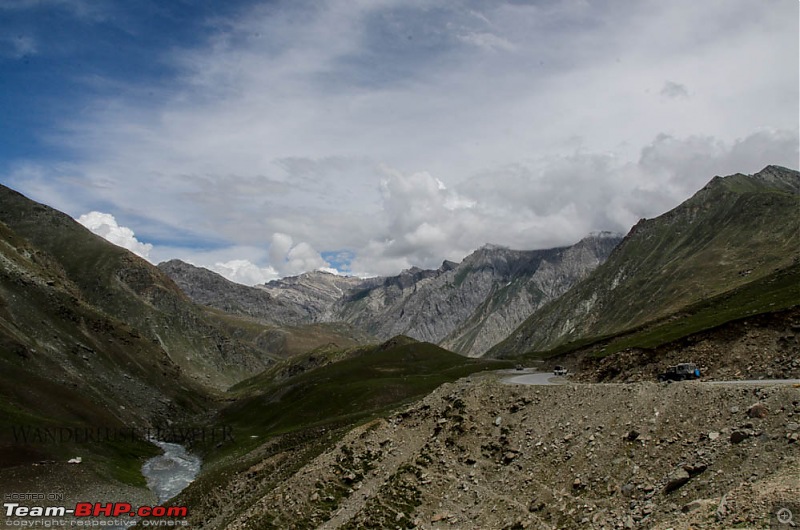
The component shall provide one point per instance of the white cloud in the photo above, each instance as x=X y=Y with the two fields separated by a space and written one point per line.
x=245 y=272
x=105 y=225
x=280 y=127
x=290 y=259
x=488 y=41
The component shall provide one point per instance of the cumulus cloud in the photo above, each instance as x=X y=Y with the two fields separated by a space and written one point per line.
x=105 y=226
x=245 y=272
x=291 y=259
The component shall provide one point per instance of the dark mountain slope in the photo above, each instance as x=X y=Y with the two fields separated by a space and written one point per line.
x=122 y=286
x=93 y=337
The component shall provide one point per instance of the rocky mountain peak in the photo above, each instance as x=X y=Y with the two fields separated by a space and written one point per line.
x=780 y=177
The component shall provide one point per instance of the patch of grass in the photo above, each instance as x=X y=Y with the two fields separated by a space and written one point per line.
x=461 y=275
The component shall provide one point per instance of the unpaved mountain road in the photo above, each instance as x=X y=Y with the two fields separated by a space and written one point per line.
x=526 y=377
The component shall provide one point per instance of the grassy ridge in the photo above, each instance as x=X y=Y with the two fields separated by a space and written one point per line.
x=349 y=386
x=778 y=291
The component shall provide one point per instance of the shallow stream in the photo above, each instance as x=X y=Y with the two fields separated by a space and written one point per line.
x=168 y=474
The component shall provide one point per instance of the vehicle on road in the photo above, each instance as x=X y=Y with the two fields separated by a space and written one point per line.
x=680 y=372
x=559 y=370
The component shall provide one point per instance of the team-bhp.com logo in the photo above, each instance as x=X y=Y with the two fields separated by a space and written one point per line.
x=95 y=509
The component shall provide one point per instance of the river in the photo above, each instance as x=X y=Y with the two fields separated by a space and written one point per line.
x=168 y=474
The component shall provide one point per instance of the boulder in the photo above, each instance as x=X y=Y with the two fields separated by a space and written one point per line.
x=676 y=479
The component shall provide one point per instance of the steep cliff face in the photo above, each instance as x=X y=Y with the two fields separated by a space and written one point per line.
x=736 y=230
x=314 y=294
x=471 y=306
x=467 y=307
x=511 y=303
x=209 y=288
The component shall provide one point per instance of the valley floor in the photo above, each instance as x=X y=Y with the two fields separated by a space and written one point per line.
x=482 y=454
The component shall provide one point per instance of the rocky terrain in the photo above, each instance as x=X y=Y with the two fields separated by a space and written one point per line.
x=211 y=289
x=467 y=307
x=482 y=454
x=766 y=346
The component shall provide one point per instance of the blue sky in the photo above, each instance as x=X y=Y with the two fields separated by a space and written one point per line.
x=262 y=139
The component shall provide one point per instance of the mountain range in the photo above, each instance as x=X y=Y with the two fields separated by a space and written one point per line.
x=505 y=302
x=466 y=307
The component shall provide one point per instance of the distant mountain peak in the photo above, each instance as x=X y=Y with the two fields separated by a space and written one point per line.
x=493 y=246
x=604 y=234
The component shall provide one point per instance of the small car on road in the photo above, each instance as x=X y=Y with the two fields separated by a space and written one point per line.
x=680 y=372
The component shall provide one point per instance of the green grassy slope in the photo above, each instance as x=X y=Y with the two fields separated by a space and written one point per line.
x=342 y=385
x=736 y=230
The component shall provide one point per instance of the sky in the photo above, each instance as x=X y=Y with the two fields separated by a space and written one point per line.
x=262 y=139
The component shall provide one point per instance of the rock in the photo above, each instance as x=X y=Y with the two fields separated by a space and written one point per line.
x=509 y=457
x=440 y=517
x=535 y=505
x=628 y=489
x=314 y=497
x=695 y=469
x=739 y=436
x=677 y=478
x=76 y=460
x=692 y=506
x=792 y=426
x=631 y=436
x=498 y=420
x=758 y=410
x=577 y=484
x=713 y=436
